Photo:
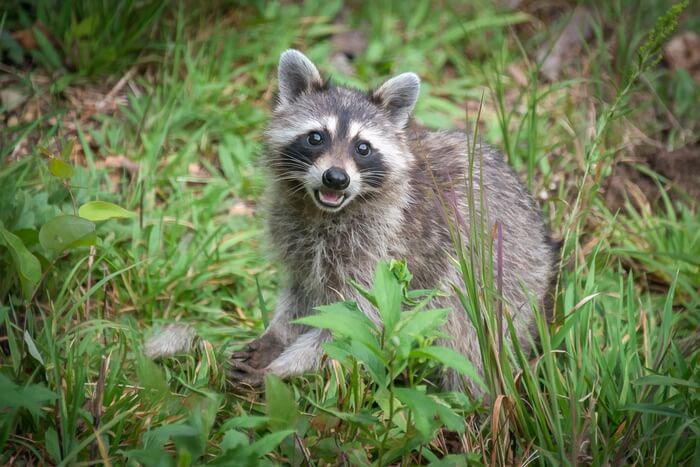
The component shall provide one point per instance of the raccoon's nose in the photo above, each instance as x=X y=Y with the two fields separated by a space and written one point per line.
x=336 y=178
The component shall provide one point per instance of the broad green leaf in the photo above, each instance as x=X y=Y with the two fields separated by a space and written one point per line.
x=27 y=264
x=414 y=324
x=364 y=417
x=269 y=442
x=233 y=439
x=452 y=460
x=451 y=359
x=28 y=236
x=101 y=211
x=245 y=421
x=452 y=420
x=423 y=407
x=31 y=347
x=388 y=293
x=60 y=169
x=153 y=456
x=281 y=409
x=367 y=356
x=63 y=232
x=52 y=446
x=31 y=397
x=344 y=319
x=160 y=435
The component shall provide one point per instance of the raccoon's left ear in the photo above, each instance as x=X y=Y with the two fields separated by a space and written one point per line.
x=399 y=95
x=297 y=74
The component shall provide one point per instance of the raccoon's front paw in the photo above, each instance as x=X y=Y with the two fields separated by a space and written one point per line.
x=241 y=374
x=259 y=353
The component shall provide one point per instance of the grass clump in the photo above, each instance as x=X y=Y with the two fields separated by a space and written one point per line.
x=138 y=207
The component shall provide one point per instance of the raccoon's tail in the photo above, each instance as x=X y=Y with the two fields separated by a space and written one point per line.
x=172 y=339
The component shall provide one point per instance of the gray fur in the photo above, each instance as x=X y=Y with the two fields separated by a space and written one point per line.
x=296 y=75
x=399 y=95
x=172 y=339
x=402 y=217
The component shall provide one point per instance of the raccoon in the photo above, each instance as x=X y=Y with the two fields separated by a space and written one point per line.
x=352 y=181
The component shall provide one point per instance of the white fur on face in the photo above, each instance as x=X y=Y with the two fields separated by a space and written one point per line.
x=313 y=180
x=331 y=124
x=394 y=156
x=386 y=141
x=281 y=136
x=314 y=175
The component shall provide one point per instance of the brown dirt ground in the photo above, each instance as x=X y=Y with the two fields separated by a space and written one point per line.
x=679 y=169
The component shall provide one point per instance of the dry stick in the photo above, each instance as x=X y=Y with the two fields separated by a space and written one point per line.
x=96 y=408
x=91 y=260
x=500 y=429
x=117 y=87
x=304 y=450
x=138 y=136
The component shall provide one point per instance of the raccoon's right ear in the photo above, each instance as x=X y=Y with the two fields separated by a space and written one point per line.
x=297 y=74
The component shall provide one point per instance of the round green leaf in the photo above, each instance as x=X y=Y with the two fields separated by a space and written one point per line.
x=60 y=169
x=64 y=232
x=101 y=211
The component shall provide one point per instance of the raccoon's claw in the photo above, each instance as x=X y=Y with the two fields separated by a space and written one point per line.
x=259 y=353
x=243 y=355
x=240 y=373
x=247 y=366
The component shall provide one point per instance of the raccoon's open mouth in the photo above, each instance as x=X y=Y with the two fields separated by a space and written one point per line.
x=330 y=199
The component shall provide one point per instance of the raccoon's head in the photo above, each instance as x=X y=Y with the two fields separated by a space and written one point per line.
x=336 y=145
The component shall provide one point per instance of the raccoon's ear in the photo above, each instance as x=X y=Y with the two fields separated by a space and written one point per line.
x=297 y=74
x=399 y=95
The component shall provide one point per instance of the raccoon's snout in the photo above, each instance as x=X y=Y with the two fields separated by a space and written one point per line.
x=336 y=178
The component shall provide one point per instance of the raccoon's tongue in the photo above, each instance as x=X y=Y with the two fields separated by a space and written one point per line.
x=330 y=197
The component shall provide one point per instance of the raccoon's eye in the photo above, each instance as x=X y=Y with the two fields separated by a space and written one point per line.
x=315 y=138
x=363 y=148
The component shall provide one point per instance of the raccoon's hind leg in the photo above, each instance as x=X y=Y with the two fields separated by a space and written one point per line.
x=463 y=339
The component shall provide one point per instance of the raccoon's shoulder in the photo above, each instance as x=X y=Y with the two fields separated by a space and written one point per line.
x=446 y=152
x=439 y=154
x=426 y=142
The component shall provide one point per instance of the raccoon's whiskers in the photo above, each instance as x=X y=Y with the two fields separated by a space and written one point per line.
x=296 y=156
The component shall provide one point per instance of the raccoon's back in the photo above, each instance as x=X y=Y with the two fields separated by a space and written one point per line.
x=442 y=177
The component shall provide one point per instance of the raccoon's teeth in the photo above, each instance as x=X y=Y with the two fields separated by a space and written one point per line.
x=330 y=198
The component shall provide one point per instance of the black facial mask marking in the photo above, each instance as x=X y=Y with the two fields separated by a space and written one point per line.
x=300 y=152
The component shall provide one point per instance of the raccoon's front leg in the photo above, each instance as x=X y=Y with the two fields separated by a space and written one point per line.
x=260 y=352
x=248 y=366
x=303 y=356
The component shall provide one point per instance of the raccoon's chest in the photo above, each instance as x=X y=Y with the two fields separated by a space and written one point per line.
x=342 y=251
x=325 y=255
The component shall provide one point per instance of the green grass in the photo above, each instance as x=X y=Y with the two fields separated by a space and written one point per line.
x=616 y=380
